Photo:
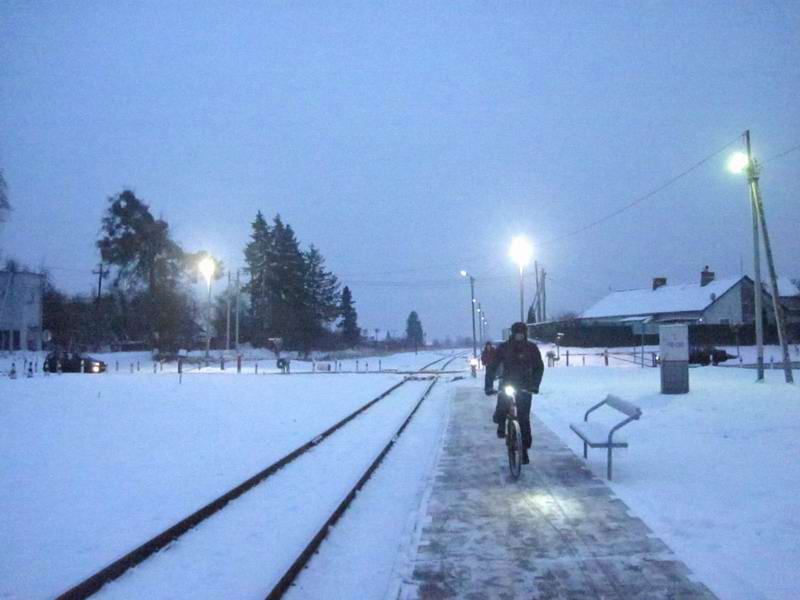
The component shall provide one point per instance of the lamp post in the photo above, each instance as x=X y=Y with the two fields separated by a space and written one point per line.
x=738 y=163
x=207 y=268
x=472 y=310
x=521 y=253
x=480 y=325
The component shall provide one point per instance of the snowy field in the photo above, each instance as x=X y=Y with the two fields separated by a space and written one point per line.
x=714 y=472
x=94 y=465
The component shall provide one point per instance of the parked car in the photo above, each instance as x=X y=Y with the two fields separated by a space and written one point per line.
x=72 y=362
x=708 y=355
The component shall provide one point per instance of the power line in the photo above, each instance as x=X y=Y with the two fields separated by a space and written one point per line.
x=641 y=199
x=782 y=154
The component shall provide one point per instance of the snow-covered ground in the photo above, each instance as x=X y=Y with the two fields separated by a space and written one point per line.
x=714 y=472
x=94 y=465
x=253 y=361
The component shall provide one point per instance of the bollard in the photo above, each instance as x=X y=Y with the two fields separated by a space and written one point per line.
x=380 y=366
x=239 y=363
x=771 y=362
x=567 y=357
x=13 y=373
x=605 y=356
x=256 y=367
x=366 y=365
x=155 y=367
x=180 y=370
x=138 y=366
x=36 y=366
x=583 y=360
x=30 y=370
x=116 y=366
x=131 y=367
x=222 y=363
x=161 y=366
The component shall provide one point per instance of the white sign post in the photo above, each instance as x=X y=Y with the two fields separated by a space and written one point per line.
x=674 y=342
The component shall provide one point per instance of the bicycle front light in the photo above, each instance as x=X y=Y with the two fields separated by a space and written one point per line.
x=509 y=390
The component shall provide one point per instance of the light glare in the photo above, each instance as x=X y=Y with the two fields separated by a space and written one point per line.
x=520 y=251
x=738 y=162
x=207 y=268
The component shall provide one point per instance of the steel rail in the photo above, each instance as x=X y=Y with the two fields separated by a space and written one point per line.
x=95 y=582
x=285 y=582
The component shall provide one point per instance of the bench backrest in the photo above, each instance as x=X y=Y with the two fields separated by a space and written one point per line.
x=623 y=406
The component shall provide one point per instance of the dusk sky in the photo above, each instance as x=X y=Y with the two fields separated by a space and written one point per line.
x=408 y=141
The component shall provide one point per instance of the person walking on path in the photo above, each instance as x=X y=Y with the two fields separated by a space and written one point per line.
x=522 y=368
x=488 y=354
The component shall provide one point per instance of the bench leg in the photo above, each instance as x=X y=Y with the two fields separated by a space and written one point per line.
x=609 y=464
x=584 y=449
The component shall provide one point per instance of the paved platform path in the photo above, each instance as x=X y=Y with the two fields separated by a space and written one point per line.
x=557 y=532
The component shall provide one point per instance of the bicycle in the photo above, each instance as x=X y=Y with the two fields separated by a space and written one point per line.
x=513 y=432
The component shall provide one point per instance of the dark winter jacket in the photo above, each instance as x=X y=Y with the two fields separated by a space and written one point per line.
x=488 y=355
x=522 y=365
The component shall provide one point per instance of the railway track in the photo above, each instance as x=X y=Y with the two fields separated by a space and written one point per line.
x=95 y=582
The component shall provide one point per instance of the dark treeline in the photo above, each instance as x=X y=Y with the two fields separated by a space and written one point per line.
x=147 y=300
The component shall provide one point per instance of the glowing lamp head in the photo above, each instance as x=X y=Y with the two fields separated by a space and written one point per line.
x=463 y=273
x=738 y=162
x=509 y=390
x=521 y=251
x=207 y=268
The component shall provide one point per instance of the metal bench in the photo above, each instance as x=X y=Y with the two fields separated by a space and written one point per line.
x=595 y=435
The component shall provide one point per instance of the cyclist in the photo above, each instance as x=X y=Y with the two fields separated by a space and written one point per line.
x=522 y=368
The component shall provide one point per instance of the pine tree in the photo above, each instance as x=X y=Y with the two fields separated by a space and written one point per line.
x=259 y=256
x=5 y=205
x=414 y=333
x=287 y=294
x=321 y=297
x=351 y=334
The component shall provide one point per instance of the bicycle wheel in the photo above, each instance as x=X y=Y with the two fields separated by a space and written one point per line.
x=514 y=443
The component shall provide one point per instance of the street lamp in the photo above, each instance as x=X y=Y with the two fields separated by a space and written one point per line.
x=521 y=253
x=472 y=310
x=207 y=267
x=745 y=162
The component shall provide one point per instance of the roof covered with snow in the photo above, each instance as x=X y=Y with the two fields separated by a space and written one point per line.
x=665 y=299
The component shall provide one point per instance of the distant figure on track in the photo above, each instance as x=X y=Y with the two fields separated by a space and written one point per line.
x=487 y=356
x=523 y=368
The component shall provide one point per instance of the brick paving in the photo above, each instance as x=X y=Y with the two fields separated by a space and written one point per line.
x=557 y=532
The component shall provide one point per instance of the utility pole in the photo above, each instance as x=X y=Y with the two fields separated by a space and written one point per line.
x=480 y=326
x=755 y=192
x=238 y=290
x=537 y=313
x=228 y=318
x=544 y=297
x=759 y=314
x=472 y=308
x=100 y=272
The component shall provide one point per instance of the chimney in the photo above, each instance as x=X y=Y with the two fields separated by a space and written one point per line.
x=706 y=277
x=658 y=282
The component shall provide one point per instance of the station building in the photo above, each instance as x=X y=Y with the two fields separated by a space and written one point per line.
x=710 y=301
x=20 y=311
